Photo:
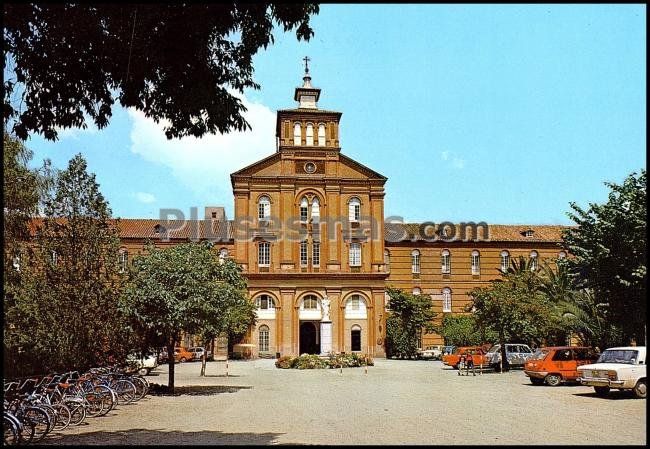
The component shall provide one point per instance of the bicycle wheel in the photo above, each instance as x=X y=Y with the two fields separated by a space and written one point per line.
x=77 y=410
x=40 y=420
x=140 y=387
x=125 y=390
x=63 y=417
x=10 y=429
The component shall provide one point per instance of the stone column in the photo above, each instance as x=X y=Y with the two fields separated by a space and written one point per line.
x=325 y=328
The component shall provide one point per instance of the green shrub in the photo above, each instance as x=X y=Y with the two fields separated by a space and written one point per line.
x=312 y=361
x=285 y=362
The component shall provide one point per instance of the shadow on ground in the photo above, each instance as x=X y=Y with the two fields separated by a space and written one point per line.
x=612 y=395
x=161 y=437
x=196 y=390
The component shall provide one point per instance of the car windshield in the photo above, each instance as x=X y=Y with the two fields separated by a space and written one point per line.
x=628 y=356
x=540 y=354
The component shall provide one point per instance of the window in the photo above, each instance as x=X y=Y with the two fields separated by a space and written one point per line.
x=446 y=299
x=296 y=134
x=415 y=261
x=533 y=260
x=214 y=215
x=354 y=302
x=446 y=261
x=303 y=253
x=304 y=206
x=315 y=254
x=223 y=254
x=476 y=262
x=354 y=209
x=265 y=302
x=321 y=135
x=386 y=302
x=355 y=254
x=310 y=134
x=310 y=302
x=387 y=261
x=528 y=233
x=124 y=260
x=562 y=355
x=355 y=338
x=264 y=254
x=416 y=291
x=505 y=260
x=315 y=210
x=264 y=338
x=264 y=208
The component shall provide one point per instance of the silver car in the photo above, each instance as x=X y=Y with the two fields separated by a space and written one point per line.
x=516 y=353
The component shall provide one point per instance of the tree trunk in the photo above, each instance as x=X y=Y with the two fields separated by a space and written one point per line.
x=504 y=365
x=170 y=361
x=203 y=360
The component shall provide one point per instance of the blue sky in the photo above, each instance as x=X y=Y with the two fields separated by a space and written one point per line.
x=496 y=113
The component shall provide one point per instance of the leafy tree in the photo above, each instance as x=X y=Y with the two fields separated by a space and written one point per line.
x=181 y=288
x=409 y=315
x=175 y=62
x=513 y=307
x=463 y=330
x=65 y=314
x=610 y=248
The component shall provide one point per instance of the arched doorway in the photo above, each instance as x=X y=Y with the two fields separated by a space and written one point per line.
x=308 y=338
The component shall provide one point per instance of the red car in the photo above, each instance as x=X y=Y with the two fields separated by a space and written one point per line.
x=477 y=356
x=556 y=364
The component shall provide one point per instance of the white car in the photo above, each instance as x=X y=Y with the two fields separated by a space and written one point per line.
x=198 y=351
x=143 y=363
x=431 y=352
x=623 y=368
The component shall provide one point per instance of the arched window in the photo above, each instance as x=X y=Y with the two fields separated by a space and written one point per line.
x=355 y=254
x=223 y=255
x=354 y=209
x=303 y=253
x=265 y=302
x=315 y=210
x=124 y=260
x=264 y=208
x=264 y=254
x=321 y=135
x=387 y=261
x=355 y=307
x=310 y=134
x=446 y=299
x=445 y=259
x=264 y=338
x=304 y=210
x=310 y=302
x=533 y=260
x=476 y=262
x=416 y=291
x=296 y=134
x=415 y=261
x=355 y=338
x=505 y=260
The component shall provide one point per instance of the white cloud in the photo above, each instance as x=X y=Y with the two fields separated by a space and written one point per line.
x=458 y=163
x=75 y=133
x=145 y=197
x=204 y=165
x=452 y=160
x=444 y=155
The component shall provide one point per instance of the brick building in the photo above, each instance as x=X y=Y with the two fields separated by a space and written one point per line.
x=310 y=235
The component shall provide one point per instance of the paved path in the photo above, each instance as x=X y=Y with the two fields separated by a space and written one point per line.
x=397 y=402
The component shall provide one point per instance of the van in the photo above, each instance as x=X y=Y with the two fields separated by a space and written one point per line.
x=556 y=364
x=516 y=353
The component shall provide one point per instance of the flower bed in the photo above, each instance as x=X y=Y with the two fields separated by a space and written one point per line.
x=312 y=361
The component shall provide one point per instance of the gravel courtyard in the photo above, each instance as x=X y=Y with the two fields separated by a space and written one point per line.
x=397 y=402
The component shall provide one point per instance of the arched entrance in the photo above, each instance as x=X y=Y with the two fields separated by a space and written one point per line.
x=309 y=343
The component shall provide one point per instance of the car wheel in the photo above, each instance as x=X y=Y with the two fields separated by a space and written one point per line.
x=183 y=360
x=143 y=371
x=536 y=381
x=640 y=389
x=553 y=380
x=601 y=391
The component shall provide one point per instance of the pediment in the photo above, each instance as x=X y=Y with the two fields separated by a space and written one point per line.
x=269 y=166
x=351 y=169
